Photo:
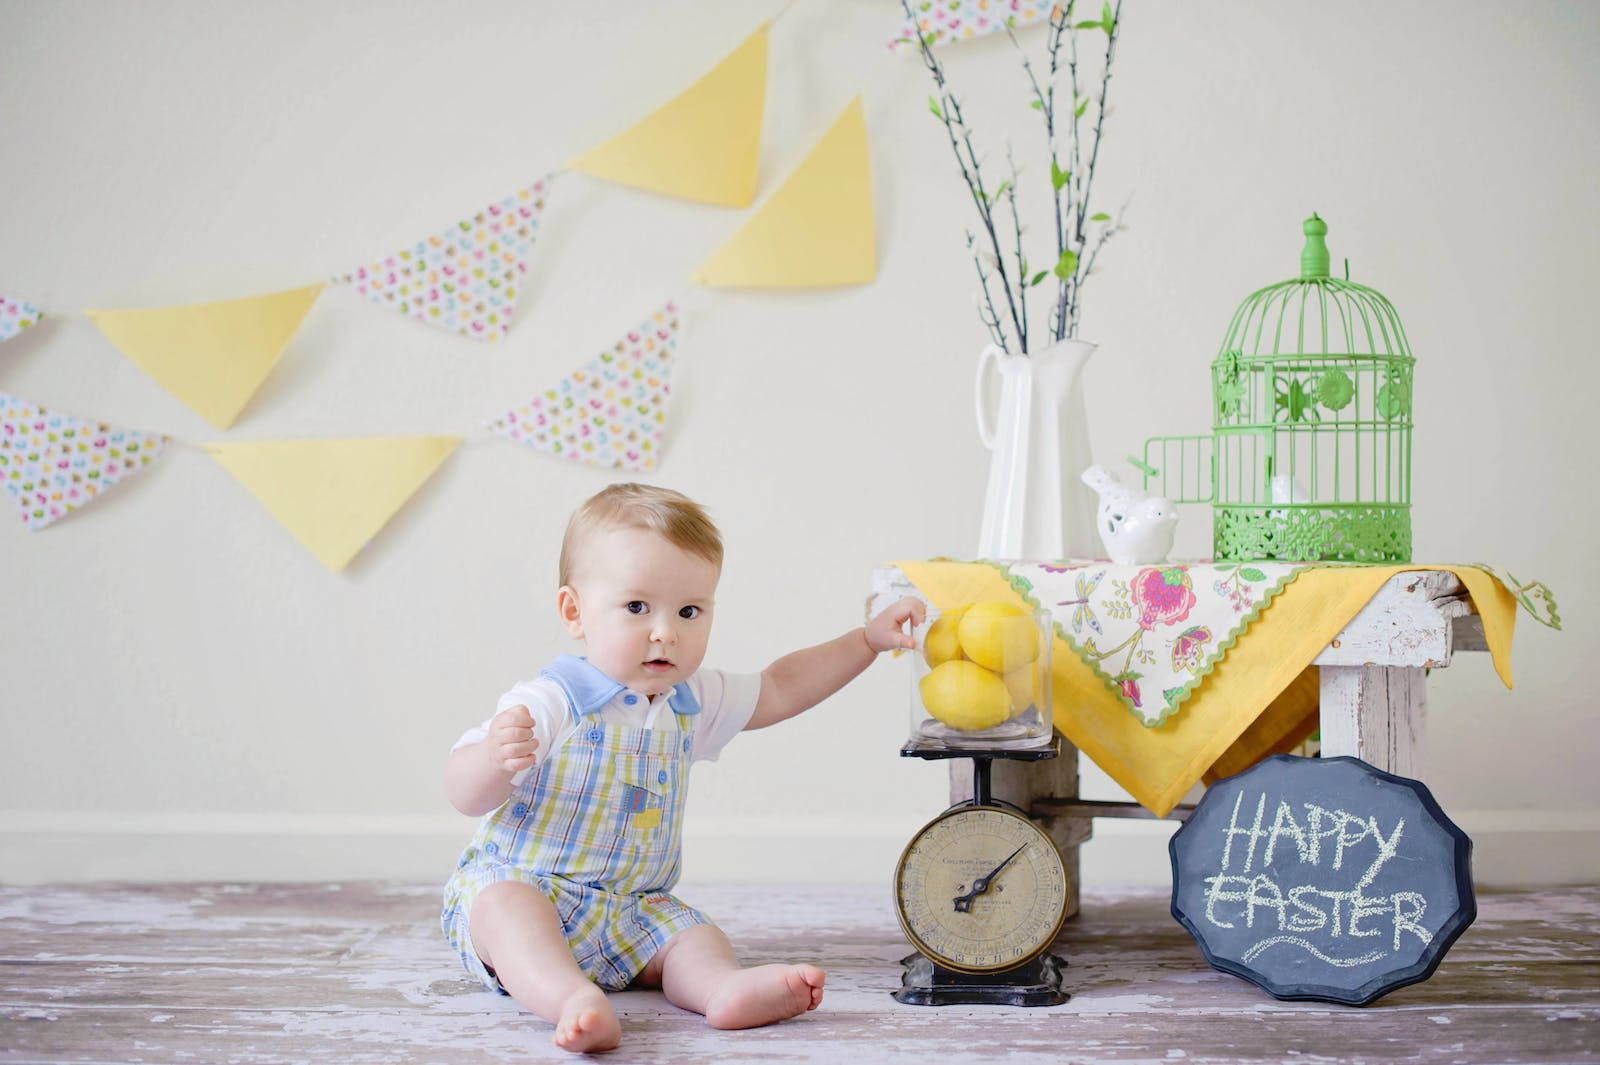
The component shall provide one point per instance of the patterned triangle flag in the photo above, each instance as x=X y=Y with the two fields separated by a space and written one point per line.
x=702 y=145
x=334 y=495
x=53 y=463
x=612 y=412
x=961 y=20
x=212 y=356
x=466 y=278
x=817 y=229
x=15 y=316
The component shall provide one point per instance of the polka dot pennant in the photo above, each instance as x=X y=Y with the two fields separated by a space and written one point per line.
x=961 y=20
x=612 y=412
x=465 y=279
x=15 y=316
x=53 y=463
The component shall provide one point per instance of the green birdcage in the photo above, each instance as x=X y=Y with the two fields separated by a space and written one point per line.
x=1309 y=457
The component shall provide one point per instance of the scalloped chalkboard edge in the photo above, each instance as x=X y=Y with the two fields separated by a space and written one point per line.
x=1374 y=989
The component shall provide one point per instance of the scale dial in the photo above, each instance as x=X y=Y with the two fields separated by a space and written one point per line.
x=980 y=889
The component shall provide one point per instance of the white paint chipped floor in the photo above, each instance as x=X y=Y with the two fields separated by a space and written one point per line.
x=357 y=973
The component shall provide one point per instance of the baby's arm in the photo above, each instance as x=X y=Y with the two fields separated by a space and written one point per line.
x=797 y=682
x=478 y=776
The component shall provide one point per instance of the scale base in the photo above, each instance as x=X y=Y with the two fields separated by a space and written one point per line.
x=927 y=983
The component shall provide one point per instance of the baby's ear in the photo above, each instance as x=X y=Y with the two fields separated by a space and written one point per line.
x=567 y=607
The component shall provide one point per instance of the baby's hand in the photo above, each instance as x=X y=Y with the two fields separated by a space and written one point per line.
x=511 y=739
x=884 y=632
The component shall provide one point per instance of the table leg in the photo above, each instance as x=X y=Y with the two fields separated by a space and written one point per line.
x=1020 y=783
x=1377 y=714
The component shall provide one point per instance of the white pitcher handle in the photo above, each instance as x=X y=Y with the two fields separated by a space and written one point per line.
x=985 y=430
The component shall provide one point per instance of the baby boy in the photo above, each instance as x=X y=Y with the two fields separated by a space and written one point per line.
x=580 y=779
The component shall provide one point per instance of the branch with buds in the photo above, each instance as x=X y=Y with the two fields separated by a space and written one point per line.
x=1079 y=234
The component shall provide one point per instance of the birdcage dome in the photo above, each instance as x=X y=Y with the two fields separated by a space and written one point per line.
x=1311 y=423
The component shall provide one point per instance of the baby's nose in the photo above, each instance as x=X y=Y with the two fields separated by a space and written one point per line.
x=664 y=633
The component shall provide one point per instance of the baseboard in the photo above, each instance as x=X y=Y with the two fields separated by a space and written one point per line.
x=1512 y=848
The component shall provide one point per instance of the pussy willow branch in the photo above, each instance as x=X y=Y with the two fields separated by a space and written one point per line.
x=1081 y=274
x=991 y=319
x=1060 y=17
x=1022 y=262
x=950 y=114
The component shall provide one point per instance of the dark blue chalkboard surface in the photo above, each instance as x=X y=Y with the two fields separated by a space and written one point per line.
x=1322 y=878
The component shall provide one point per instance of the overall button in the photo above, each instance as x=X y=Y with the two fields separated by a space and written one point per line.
x=661 y=777
x=687 y=743
x=594 y=735
x=491 y=848
x=630 y=698
x=519 y=810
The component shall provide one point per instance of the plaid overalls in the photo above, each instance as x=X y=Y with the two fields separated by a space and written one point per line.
x=598 y=828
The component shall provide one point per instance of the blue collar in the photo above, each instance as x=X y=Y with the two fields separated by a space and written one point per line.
x=588 y=690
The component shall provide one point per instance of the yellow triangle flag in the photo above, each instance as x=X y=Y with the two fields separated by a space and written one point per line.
x=212 y=356
x=701 y=145
x=816 y=229
x=334 y=495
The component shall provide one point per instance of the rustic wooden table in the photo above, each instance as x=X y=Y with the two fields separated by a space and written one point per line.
x=1373 y=701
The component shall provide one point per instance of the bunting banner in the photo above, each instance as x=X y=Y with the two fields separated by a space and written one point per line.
x=817 y=229
x=15 y=316
x=53 y=463
x=334 y=495
x=702 y=145
x=212 y=356
x=464 y=279
x=612 y=412
x=945 y=21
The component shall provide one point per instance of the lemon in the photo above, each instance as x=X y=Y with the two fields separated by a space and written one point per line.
x=1023 y=685
x=965 y=696
x=941 y=643
x=999 y=636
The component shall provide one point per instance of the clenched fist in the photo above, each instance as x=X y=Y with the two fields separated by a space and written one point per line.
x=511 y=739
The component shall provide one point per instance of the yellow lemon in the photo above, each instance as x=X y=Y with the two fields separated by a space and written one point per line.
x=1023 y=685
x=965 y=696
x=941 y=643
x=999 y=636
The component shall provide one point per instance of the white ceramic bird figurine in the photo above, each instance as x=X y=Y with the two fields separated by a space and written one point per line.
x=1136 y=527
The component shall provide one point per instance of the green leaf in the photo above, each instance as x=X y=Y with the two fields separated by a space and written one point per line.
x=1058 y=176
x=1250 y=573
x=1108 y=21
x=933 y=105
x=1037 y=105
x=1100 y=216
x=1040 y=276
x=1067 y=264
x=1001 y=191
x=1087 y=24
x=1082 y=107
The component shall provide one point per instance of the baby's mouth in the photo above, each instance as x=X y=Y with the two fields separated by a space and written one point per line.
x=658 y=665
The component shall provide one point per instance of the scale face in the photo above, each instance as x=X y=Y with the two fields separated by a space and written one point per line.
x=980 y=889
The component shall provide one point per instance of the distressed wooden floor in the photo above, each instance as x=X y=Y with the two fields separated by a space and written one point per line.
x=358 y=973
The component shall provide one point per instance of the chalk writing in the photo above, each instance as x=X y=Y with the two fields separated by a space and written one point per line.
x=1284 y=897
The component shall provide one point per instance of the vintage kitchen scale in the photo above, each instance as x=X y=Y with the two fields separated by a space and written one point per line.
x=981 y=892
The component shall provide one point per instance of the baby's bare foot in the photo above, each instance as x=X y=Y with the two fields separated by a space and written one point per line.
x=587 y=1022
x=763 y=995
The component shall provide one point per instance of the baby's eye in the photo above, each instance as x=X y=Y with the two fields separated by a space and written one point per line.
x=689 y=612
x=637 y=606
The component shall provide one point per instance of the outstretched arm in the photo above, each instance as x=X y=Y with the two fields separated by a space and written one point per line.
x=797 y=682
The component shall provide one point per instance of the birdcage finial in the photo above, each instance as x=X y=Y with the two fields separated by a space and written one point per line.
x=1314 y=257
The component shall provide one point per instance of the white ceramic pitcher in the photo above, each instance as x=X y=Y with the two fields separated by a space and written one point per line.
x=1035 y=507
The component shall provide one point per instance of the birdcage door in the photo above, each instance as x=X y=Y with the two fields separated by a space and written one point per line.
x=1183 y=467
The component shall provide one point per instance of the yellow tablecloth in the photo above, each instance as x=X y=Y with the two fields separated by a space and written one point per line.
x=1260 y=699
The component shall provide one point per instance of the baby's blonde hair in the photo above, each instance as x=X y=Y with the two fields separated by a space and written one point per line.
x=671 y=515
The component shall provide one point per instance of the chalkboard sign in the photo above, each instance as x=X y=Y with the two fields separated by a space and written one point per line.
x=1322 y=878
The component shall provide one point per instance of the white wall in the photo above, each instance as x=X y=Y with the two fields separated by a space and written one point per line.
x=187 y=693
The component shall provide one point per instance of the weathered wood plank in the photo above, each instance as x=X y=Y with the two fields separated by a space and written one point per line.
x=275 y=973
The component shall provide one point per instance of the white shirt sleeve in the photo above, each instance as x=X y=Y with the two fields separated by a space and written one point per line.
x=548 y=708
x=727 y=701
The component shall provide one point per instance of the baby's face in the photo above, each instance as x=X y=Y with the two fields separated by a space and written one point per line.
x=643 y=608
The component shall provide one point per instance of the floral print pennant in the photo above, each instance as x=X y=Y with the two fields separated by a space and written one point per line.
x=465 y=279
x=612 y=412
x=53 y=463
